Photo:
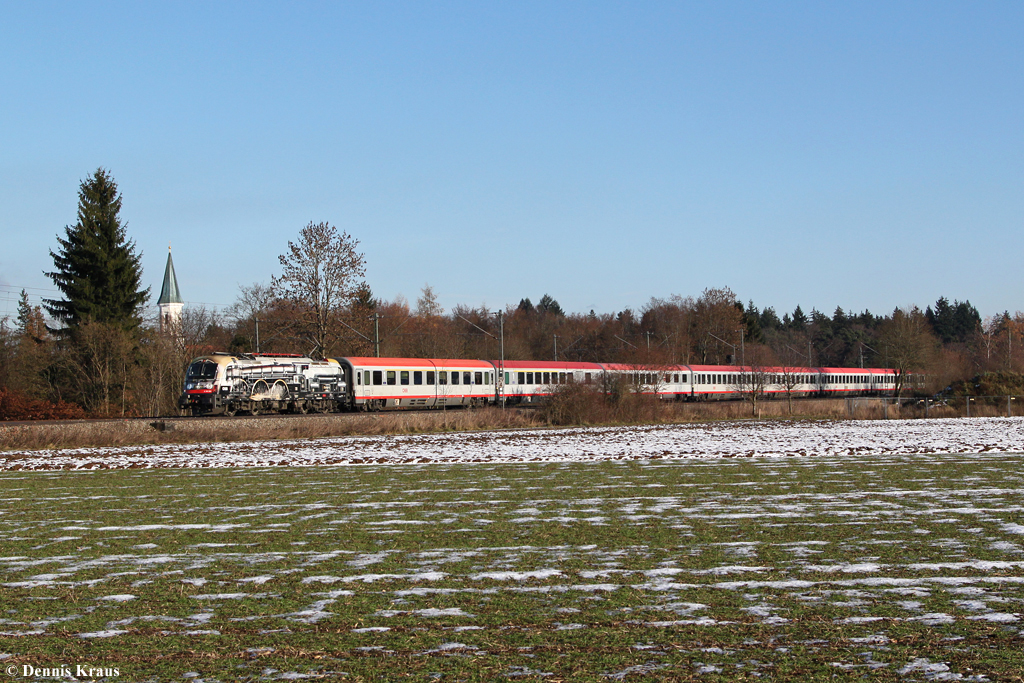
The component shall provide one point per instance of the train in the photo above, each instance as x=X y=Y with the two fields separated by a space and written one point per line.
x=257 y=383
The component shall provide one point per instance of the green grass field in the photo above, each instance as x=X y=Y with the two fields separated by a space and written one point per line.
x=894 y=568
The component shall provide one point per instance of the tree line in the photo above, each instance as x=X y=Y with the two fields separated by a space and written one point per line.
x=94 y=351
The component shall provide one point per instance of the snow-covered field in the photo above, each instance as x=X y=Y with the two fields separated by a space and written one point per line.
x=580 y=554
x=711 y=440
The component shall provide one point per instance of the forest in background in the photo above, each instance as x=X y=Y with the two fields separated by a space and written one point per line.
x=92 y=352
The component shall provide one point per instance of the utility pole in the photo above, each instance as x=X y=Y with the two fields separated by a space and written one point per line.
x=731 y=346
x=556 y=346
x=500 y=379
x=376 y=333
x=257 y=334
x=743 y=349
x=501 y=361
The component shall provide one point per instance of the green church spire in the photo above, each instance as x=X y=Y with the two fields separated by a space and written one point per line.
x=169 y=293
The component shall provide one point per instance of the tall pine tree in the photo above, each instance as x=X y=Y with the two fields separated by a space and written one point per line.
x=97 y=268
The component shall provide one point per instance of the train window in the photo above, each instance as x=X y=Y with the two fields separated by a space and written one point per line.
x=547 y=378
x=366 y=378
x=442 y=377
x=417 y=377
x=478 y=378
x=455 y=377
x=359 y=378
x=391 y=378
x=507 y=379
x=529 y=378
x=521 y=378
x=378 y=378
x=202 y=370
x=682 y=378
x=561 y=378
x=586 y=378
x=405 y=377
x=430 y=377
x=465 y=378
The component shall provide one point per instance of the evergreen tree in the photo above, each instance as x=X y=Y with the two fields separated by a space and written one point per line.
x=549 y=305
x=770 y=319
x=30 y=318
x=365 y=300
x=953 y=323
x=97 y=268
x=751 y=321
x=799 y=319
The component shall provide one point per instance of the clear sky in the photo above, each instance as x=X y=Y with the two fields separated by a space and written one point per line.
x=868 y=155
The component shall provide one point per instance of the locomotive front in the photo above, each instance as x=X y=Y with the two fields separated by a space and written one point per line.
x=203 y=380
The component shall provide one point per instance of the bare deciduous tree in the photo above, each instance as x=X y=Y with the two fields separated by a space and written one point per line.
x=321 y=274
x=752 y=380
x=791 y=372
x=715 y=315
x=909 y=343
x=97 y=368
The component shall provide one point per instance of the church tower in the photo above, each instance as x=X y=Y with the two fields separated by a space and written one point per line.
x=170 y=302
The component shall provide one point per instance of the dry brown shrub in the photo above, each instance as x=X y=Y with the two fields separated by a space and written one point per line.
x=15 y=405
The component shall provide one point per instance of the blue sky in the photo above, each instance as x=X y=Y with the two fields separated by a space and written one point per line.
x=868 y=155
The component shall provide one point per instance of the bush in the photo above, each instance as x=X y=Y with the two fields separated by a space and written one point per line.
x=591 y=404
x=574 y=404
x=1001 y=383
x=17 y=406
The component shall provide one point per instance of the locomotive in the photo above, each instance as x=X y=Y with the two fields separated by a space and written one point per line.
x=256 y=383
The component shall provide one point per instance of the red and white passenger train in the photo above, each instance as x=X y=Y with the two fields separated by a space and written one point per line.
x=255 y=383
